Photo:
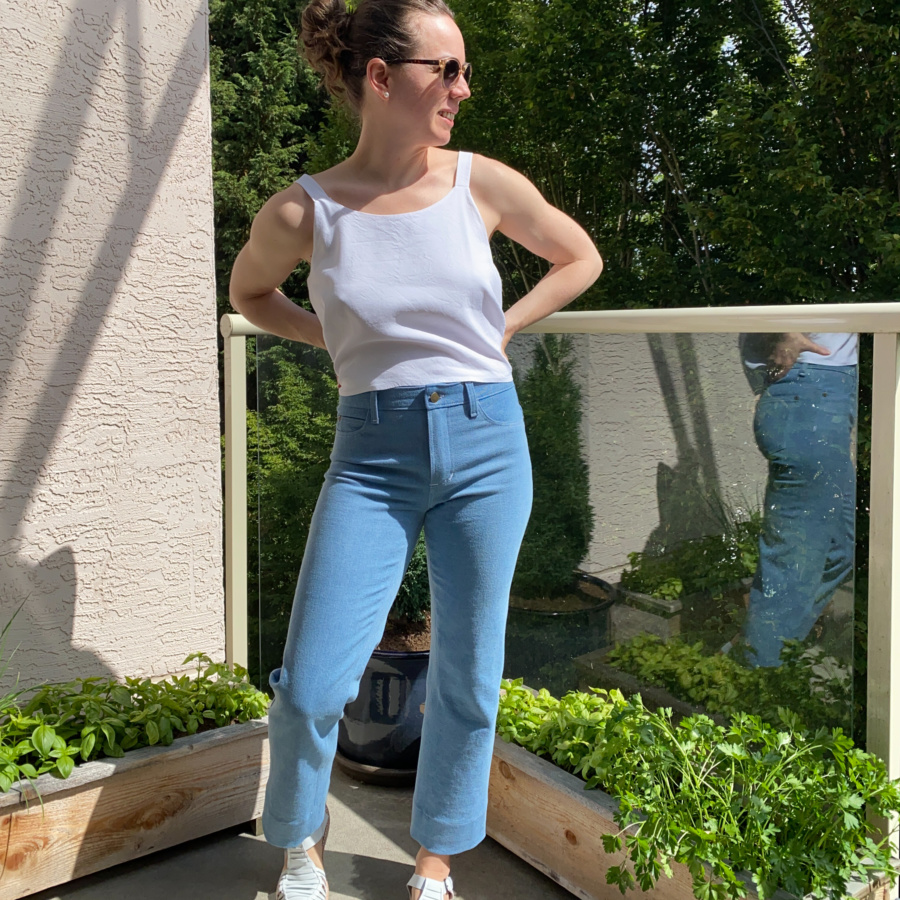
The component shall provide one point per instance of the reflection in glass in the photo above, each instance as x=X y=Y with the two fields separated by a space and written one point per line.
x=722 y=524
x=804 y=427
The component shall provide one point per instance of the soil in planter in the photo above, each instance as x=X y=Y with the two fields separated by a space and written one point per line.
x=575 y=601
x=400 y=635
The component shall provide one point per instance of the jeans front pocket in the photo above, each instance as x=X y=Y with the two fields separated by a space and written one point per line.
x=499 y=404
x=351 y=420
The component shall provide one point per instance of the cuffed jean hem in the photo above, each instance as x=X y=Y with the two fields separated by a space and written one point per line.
x=286 y=834
x=446 y=838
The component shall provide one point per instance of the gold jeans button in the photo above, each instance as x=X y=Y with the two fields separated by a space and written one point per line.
x=435 y=396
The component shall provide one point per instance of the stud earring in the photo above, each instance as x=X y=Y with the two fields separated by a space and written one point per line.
x=386 y=94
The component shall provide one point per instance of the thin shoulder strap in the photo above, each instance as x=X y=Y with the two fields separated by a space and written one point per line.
x=463 y=169
x=311 y=186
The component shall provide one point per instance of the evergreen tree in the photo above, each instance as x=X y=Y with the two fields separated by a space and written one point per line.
x=266 y=109
x=562 y=520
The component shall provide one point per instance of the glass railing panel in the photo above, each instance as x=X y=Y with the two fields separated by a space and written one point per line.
x=291 y=435
x=697 y=511
x=665 y=467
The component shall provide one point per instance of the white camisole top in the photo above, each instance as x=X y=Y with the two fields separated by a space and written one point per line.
x=408 y=299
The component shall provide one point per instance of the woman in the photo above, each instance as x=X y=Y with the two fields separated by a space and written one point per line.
x=429 y=430
x=804 y=425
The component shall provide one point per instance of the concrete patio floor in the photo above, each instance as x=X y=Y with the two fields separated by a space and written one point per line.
x=369 y=857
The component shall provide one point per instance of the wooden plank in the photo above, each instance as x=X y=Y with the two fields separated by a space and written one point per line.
x=545 y=816
x=5 y=824
x=137 y=810
x=87 y=773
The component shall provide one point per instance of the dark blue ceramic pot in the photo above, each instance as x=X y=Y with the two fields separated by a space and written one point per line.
x=382 y=727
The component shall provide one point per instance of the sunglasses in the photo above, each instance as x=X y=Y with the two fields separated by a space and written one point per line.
x=450 y=68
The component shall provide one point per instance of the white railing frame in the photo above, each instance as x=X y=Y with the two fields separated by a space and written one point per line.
x=236 y=635
x=880 y=319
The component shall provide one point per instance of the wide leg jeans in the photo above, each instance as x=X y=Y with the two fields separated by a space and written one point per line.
x=804 y=425
x=451 y=458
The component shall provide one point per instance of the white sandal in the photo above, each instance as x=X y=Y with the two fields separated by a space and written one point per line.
x=431 y=888
x=301 y=878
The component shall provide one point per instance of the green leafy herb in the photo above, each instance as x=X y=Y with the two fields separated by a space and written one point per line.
x=63 y=724
x=817 y=694
x=781 y=802
x=708 y=564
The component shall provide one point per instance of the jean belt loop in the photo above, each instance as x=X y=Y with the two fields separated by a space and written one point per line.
x=471 y=399
x=373 y=406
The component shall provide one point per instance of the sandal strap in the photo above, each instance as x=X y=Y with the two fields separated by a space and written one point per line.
x=319 y=833
x=431 y=888
x=309 y=892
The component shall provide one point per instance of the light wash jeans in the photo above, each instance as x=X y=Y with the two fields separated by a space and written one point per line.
x=452 y=458
x=804 y=426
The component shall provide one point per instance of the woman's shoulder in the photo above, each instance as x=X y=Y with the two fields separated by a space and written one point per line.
x=333 y=178
x=496 y=181
x=286 y=216
x=289 y=206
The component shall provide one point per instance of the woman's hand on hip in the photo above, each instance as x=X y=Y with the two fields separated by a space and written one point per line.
x=786 y=350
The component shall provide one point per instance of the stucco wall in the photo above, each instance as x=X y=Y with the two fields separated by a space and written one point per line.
x=110 y=529
x=667 y=430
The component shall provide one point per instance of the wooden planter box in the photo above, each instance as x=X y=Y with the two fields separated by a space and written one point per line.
x=545 y=816
x=635 y=614
x=114 y=810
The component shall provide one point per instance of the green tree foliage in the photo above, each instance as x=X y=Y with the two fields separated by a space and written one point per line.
x=812 y=212
x=562 y=520
x=265 y=107
x=717 y=153
x=292 y=432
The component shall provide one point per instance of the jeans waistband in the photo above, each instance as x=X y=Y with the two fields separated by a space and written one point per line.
x=424 y=397
x=824 y=367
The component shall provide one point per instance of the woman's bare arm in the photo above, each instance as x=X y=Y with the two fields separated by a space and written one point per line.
x=516 y=208
x=280 y=237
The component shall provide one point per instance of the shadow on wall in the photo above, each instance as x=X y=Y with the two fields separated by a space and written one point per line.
x=49 y=586
x=689 y=493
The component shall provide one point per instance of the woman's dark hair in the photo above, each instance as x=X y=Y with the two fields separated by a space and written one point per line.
x=339 y=44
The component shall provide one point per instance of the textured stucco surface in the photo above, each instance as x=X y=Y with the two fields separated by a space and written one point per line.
x=667 y=431
x=110 y=518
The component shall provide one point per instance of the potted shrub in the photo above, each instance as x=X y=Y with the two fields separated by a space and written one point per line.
x=556 y=612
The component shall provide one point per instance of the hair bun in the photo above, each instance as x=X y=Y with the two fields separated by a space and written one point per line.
x=339 y=44
x=324 y=32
